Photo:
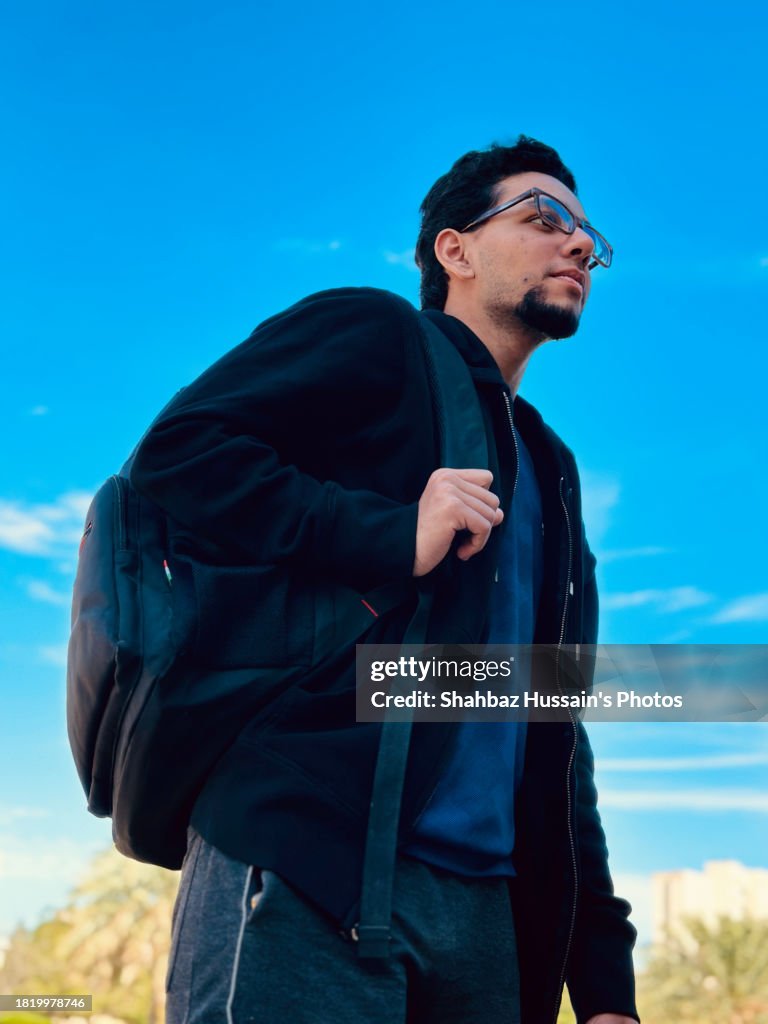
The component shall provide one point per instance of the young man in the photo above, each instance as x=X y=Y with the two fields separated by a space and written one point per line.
x=308 y=452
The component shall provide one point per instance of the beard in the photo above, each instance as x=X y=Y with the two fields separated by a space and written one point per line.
x=544 y=319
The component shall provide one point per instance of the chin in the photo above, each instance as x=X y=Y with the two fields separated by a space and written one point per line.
x=548 y=319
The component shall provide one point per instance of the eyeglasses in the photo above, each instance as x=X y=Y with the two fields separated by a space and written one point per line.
x=557 y=215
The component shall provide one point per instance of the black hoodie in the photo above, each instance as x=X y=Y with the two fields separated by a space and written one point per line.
x=303 y=453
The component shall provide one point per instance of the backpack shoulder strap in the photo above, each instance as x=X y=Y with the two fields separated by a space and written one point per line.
x=456 y=407
x=462 y=445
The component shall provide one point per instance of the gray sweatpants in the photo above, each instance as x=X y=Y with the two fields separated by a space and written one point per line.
x=246 y=947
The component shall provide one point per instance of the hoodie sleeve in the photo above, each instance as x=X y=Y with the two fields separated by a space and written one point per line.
x=229 y=458
x=600 y=969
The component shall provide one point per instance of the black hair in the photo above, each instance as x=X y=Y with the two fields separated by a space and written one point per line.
x=468 y=190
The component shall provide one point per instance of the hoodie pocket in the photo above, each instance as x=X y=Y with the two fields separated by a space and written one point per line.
x=252 y=616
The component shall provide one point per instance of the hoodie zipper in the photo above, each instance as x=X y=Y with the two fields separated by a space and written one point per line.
x=568 y=585
x=514 y=441
x=570 y=759
x=517 y=461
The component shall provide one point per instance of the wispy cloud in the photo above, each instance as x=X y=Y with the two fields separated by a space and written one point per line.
x=406 y=258
x=680 y=764
x=704 y=800
x=307 y=246
x=764 y=261
x=673 y=599
x=599 y=496
x=37 y=875
x=751 y=608
x=11 y=815
x=620 y=554
x=39 y=590
x=23 y=860
x=54 y=655
x=39 y=410
x=43 y=529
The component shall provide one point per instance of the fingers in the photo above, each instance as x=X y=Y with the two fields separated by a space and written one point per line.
x=476 y=513
x=454 y=501
x=476 y=482
x=480 y=526
x=468 y=487
x=475 y=495
x=481 y=477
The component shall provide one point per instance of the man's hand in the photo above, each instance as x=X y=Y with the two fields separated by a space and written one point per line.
x=454 y=500
x=611 y=1018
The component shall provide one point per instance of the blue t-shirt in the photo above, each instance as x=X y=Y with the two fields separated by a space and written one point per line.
x=468 y=826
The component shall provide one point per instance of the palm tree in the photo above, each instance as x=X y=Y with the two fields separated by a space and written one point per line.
x=709 y=975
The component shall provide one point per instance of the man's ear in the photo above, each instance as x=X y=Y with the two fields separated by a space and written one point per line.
x=452 y=255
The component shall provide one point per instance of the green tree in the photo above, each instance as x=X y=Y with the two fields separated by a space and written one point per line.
x=711 y=975
x=110 y=940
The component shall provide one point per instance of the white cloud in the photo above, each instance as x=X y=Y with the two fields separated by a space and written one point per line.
x=39 y=590
x=620 y=554
x=10 y=815
x=706 y=800
x=23 y=531
x=45 y=529
x=599 y=496
x=54 y=655
x=36 y=875
x=406 y=259
x=673 y=599
x=680 y=764
x=39 y=410
x=751 y=608
x=33 y=859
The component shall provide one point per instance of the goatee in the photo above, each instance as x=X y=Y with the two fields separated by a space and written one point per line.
x=544 y=319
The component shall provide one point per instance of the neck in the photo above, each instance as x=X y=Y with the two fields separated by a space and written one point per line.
x=511 y=345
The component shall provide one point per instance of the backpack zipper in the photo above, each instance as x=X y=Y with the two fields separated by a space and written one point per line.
x=119 y=485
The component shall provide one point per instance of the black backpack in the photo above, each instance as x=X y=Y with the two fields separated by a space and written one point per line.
x=147 y=720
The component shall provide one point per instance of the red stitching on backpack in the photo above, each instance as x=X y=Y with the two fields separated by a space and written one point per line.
x=83 y=539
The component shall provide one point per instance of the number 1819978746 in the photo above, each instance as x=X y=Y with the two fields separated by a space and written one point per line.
x=46 y=1002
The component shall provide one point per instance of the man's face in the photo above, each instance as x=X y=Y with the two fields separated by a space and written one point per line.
x=528 y=273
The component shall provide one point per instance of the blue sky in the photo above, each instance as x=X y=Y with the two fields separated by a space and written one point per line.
x=174 y=174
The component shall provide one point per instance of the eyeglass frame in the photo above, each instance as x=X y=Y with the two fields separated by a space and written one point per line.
x=578 y=222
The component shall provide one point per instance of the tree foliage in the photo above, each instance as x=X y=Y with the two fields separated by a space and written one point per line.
x=711 y=975
x=111 y=940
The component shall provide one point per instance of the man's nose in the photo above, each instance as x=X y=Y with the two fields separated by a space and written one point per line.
x=579 y=244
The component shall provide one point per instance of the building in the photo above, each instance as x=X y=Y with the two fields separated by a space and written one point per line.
x=724 y=888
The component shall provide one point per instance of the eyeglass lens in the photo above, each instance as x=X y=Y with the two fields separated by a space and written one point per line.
x=561 y=218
